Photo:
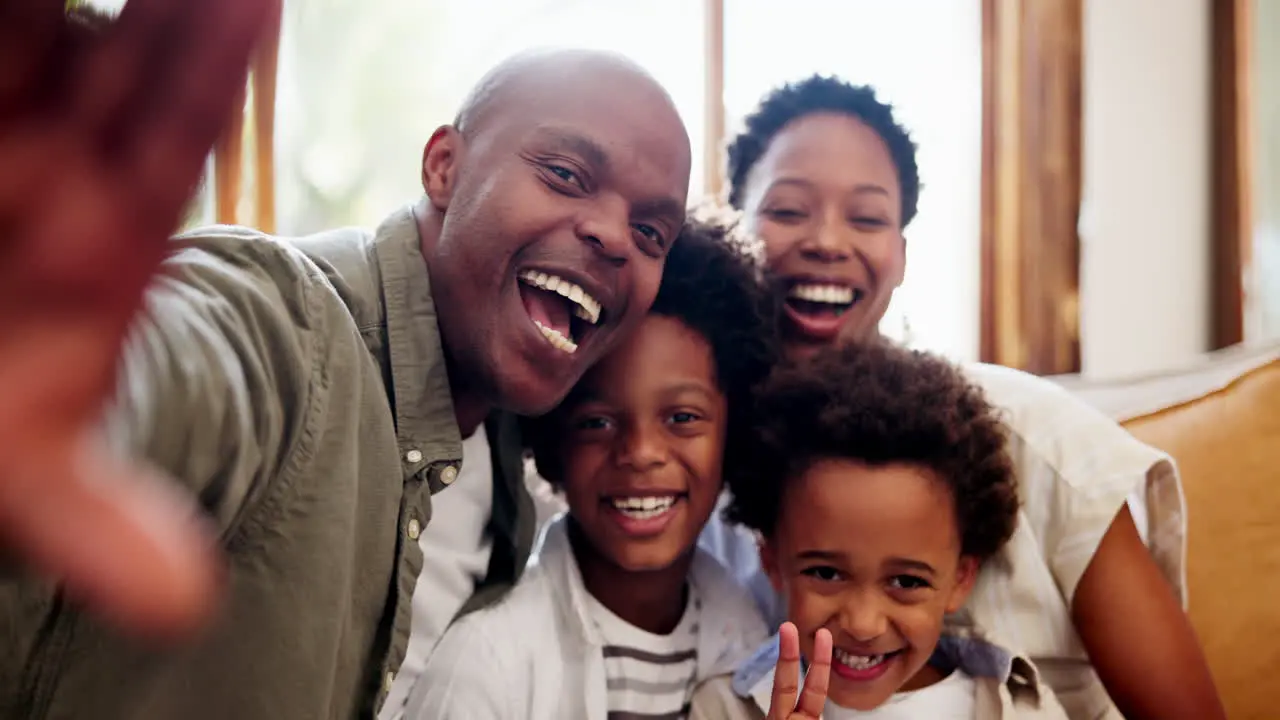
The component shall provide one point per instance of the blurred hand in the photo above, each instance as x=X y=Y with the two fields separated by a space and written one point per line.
x=102 y=139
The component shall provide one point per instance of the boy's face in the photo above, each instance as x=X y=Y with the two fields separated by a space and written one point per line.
x=642 y=437
x=873 y=555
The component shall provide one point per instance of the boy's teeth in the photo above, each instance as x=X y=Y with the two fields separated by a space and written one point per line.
x=822 y=293
x=643 y=507
x=584 y=306
x=556 y=339
x=857 y=662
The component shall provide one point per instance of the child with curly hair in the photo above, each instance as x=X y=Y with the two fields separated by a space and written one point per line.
x=620 y=614
x=880 y=483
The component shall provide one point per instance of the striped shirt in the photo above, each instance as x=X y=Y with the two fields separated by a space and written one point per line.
x=649 y=677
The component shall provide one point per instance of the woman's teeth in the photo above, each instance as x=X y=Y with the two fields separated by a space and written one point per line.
x=641 y=508
x=822 y=293
x=857 y=662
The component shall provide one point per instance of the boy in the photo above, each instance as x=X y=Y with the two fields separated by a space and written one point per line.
x=620 y=615
x=880 y=484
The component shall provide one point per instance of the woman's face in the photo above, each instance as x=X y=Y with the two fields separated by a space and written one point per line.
x=826 y=200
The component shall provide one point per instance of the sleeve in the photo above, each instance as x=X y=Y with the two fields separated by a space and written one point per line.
x=1077 y=469
x=217 y=374
x=466 y=678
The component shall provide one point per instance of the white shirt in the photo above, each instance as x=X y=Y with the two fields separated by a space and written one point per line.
x=455 y=557
x=952 y=698
x=538 y=654
x=648 y=675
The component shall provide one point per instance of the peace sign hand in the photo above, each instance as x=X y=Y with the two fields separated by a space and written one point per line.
x=786 y=676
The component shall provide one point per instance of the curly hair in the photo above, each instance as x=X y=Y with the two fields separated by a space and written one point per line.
x=878 y=404
x=819 y=94
x=712 y=286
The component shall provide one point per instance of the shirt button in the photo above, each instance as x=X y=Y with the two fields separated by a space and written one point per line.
x=448 y=474
x=413 y=456
x=388 y=681
x=415 y=528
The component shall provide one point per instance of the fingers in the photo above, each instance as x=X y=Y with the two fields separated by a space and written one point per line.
x=786 y=674
x=814 y=696
x=29 y=33
x=119 y=539
x=178 y=122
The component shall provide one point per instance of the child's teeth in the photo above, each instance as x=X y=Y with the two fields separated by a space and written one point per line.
x=641 y=508
x=556 y=339
x=858 y=662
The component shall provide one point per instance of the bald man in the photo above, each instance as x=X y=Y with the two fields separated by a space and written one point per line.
x=310 y=396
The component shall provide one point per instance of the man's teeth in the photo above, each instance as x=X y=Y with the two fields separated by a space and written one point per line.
x=830 y=294
x=556 y=339
x=857 y=662
x=585 y=306
x=641 y=508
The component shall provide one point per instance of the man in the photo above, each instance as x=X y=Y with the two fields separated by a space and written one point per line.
x=307 y=396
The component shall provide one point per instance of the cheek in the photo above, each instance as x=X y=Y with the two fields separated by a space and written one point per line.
x=778 y=240
x=703 y=459
x=582 y=465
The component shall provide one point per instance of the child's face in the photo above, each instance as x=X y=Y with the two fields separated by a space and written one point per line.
x=873 y=555
x=642 y=439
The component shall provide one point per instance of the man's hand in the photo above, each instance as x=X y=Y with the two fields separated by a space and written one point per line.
x=102 y=139
x=786 y=677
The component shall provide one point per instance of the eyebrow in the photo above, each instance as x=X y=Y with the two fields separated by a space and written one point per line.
x=906 y=563
x=696 y=388
x=860 y=189
x=589 y=150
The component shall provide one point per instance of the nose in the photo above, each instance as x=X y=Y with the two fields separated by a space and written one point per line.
x=831 y=242
x=864 y=619
x=641 y=447
x=607 y=231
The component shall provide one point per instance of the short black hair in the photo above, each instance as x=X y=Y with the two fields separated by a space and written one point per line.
x=822 y=94
x=879 y=404
x=712 y=286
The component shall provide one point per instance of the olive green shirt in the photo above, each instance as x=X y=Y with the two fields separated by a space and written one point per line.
x=298 y=390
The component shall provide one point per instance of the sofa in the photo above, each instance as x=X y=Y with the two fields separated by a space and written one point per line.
x=1220 y=420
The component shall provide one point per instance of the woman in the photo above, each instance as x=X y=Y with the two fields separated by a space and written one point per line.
x=1092 y=584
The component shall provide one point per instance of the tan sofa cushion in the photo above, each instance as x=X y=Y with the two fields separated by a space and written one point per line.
x=1221 y=422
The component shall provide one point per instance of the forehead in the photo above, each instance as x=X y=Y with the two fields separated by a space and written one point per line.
x=842 y=505
x=632 y=121
x=660 y=354
x=830 y=151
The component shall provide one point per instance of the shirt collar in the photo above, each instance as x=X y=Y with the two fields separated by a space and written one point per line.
x=426 y=426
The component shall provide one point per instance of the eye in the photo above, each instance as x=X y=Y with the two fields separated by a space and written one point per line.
x=908 y=582
x=591 y=423
x=650 y=239
x=825 y=573
x=868 y=221
x=683 y=417
x=785 y=215
x=566 y=175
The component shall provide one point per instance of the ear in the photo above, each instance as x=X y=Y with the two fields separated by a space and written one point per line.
x=441 y=159
x=966 y=576
x=769 y=562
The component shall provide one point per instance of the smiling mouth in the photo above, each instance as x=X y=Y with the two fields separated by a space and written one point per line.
x=822 y=300
x=860 y=667
x=563 y=312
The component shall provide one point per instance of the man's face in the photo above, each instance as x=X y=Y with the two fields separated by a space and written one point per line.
x=872 y=553
x=558 y=211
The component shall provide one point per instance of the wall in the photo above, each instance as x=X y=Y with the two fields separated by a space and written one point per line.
x=1145 y=292
x=1263 y=288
